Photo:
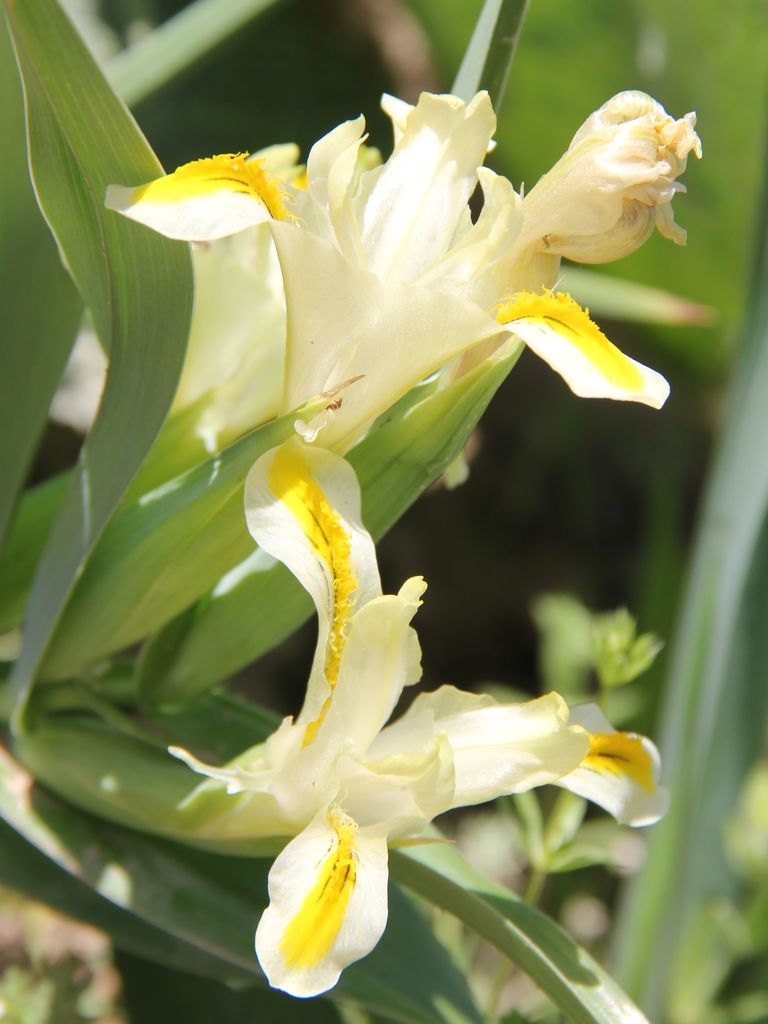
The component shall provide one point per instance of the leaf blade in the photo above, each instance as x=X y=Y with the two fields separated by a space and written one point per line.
x=138 y=288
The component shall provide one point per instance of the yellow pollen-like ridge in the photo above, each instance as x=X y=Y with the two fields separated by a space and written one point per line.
x=561 y=312
x=312 y=932
x=230 y=172
x=620 y=753
x=291 y=482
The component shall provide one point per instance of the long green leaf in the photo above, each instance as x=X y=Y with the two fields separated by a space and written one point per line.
x=488 y=59
x=137 y=286
x=179 y=43
x=716 y=700
x=574 y=982
x=213 y=902
x=627 y=300
x=395 y=463
x=41 y=309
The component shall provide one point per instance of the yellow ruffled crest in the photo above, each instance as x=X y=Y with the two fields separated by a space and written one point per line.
x=312 y=932
x=560 y=312
x=620 y=753
x=230 y=172
x=291 y=482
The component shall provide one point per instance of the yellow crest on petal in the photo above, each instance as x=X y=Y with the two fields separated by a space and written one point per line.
x=228 y=172
x=291 y=482
x=312 y=932
x=560 y=312
x=620 y=753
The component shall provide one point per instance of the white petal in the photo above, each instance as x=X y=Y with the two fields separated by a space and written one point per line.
x=328 y=905
x=203 y=200
x=422 y=191
x=561 y=333
x=235 y=359
x=345 y=324
x=380 y=658
x=620 y=773
x=302 y=506
x=473 y=265
x=497 y=748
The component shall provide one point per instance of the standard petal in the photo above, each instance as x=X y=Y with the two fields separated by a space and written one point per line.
x=345 y=324
x=302 y=506
x=327 y=904
x=205 y=199
x=413 y=210
x=620 y=771
x=561 y=333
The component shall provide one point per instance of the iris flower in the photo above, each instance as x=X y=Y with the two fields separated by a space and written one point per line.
x=344 y=783
x=388 y=279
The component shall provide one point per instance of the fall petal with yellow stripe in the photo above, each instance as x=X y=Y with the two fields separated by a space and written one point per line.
x=388 y=278
x=620 y=772
x=327 y=904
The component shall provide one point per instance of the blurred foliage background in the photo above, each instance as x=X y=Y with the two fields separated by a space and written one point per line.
x=593 y=499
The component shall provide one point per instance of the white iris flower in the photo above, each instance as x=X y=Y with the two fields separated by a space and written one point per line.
x=343 y=782
x=387 y=279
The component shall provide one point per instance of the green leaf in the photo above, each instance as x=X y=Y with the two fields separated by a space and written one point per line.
x=178 y=44
x=154 y=995
x=628 y=300
x=41 y=309
x=488 y=59
x=575 y=983
x=713 y=723
x=212 y=903
x=398 y=460
x=24 y=868
x=35 y=515
x=138 y=287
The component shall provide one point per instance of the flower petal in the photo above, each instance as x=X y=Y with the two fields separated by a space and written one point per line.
x=302 y=506
x=620 y=771
x=328 y=904
x=345 y=324
x=204 y=199
x=497 y=748
x=380 y=657
x=423 y=189
x=558 y=330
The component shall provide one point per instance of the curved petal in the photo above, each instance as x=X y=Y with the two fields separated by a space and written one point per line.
x=381 y=656
x=327 y=904
x=620 y=771
x=561 y=333
x=474 y=264
x=205 y=199
x=497 y=748
x=302 y=506
x=412 y=212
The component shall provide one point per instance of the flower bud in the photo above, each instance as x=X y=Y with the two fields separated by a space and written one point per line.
x=616 y=182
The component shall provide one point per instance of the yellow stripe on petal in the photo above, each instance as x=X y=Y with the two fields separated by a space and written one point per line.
x=291 y=482
x=559 y=331
x=620 y=753
x=561 y=312
x=229 y=172
x=312 y=932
